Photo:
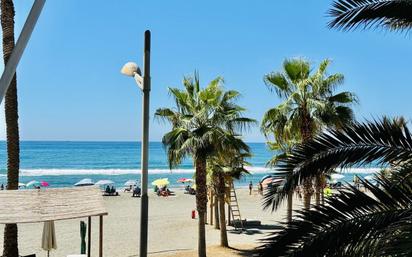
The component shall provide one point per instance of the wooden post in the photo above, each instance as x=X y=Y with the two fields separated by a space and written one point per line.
x=101 y=236
x=89 y=236
x=228 y=206
x=211 y=207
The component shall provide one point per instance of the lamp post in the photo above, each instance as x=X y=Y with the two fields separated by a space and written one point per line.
x=131 y=69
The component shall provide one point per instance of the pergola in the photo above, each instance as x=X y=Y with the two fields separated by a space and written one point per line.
x=41 y=205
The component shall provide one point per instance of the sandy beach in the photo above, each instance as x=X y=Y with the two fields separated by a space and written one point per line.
x=172 y=231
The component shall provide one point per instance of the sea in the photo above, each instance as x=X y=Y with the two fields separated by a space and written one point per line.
x=63 y=163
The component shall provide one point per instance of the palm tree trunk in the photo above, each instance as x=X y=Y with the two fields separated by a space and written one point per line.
x=10 y=248
x=306 y=131
x=221 y=194
x=307 y=193
x=216 y=202
x=289 y=207
x=201 y=203
x=318 y=186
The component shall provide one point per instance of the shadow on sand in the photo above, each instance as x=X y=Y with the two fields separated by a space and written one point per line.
x=259 y=229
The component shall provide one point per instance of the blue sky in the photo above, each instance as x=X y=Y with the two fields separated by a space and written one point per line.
x=70 y=87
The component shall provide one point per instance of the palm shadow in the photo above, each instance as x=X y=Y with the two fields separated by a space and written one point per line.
x=257 y=229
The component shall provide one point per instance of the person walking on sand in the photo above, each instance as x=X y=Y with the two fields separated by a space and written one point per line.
x=250 y=188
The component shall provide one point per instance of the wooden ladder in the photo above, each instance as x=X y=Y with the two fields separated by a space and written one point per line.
x=234 y=208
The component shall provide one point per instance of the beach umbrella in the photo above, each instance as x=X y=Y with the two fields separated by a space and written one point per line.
x=49 y=237
x=271 y=181
x=44 y=184
x=266 y=181
x=104 y=182
x=33 y=183
x=264 y=178
x=130 y=182
x=82 y=237
x=85 y=182
x=337 y=176
x=161 y=182
x=185 y=180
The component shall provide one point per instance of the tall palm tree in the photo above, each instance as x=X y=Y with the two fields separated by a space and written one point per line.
x=10 y=248
x=204 y=122
x=391 y=14
x=309 y=104
x=352 y=223
x=224 y=168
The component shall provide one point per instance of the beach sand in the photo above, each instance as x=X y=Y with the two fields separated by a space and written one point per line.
x=172 y=231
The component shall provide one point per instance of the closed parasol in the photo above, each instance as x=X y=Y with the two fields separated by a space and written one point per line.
x=49 y=237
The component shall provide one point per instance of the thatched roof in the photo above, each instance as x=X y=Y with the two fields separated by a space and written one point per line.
x=39 y=205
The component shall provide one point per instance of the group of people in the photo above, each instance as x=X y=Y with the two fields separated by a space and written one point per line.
x=163 y=191
x=110 y=191
x=136 y=191
x=260 y=188
x=190 y=190
x=327 y=190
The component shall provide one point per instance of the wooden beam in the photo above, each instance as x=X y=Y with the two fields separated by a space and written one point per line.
x=28 y=27
x=100 y=236
x=89 y=236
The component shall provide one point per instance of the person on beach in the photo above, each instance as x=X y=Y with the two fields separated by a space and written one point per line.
x=327 y=191
x=260 y=188
x=356 y=181
x=2 y=187
x=250 y=188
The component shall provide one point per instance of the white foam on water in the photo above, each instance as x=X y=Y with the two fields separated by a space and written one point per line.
x=113 y=172
x=359 y=170
x=255 y=170
x=107 y=172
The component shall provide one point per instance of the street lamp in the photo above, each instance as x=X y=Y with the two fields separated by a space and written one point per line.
x=132 y=70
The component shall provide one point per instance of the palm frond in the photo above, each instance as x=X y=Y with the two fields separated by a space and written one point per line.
x=352 y=223
x=355 y=144
x=351 y=14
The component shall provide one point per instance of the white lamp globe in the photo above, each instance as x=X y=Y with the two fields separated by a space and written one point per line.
x=130 y=69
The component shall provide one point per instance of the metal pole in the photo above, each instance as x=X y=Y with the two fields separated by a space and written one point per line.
x=89 y=236
x=100 y=236
x=145 y=147
x=11 y=66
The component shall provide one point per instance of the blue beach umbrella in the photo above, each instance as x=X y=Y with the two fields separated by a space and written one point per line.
x=104 y=182
x=33 y=183
x=85 y=182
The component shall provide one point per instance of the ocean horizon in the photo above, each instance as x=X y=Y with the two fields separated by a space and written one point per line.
x=63 y=163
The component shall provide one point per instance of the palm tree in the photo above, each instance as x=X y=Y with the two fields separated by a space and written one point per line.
x=10 y=248
x=309 y=104
x=282 y=149
x=204 y=122
x=284 y=140
x=391 y=14
x=224 y=167
x=352 y=223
